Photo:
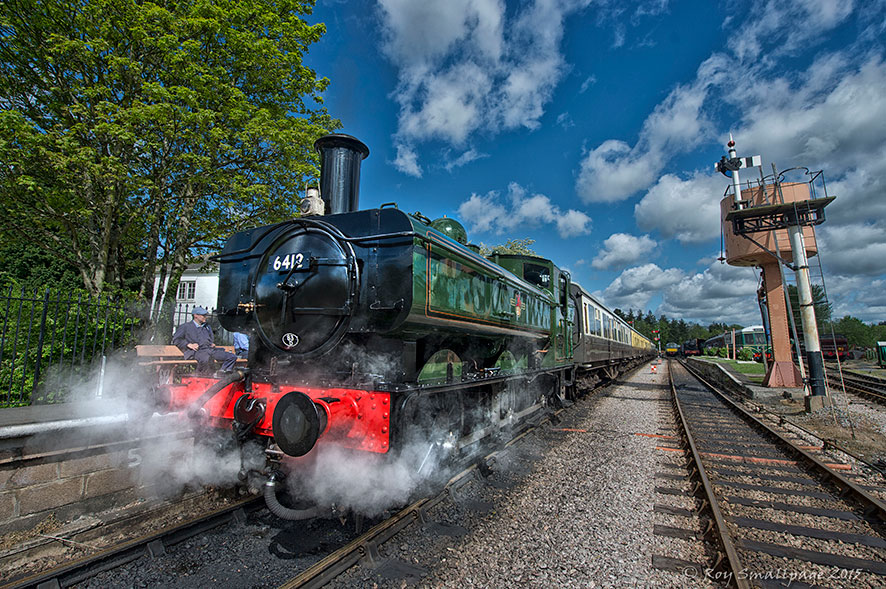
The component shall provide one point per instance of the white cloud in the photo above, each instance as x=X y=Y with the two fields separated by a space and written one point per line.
x=687 y=210
x=826 y=116
x=618 y=36
x=470 y=65
x=484 y=213
x=453 y=101
x=621 y=249
x=860 y=188
x=614 y=170
x=635 y=287
x=407 y=161
x=855 y=249
x=858 y=296
x=565 y=120
x=464 y=159
x=780 y=27
x=589 y=81
x=420 y=32
x=832 y=117
x=721 y=293
x=573 y=223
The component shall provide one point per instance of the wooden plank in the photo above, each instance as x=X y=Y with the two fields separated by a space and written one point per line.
x=775 y=490
x=672 y=532
x=154 y=350
x=826 y=559
x=671 y=491
x=848 y=538
x=658 y=508
x=819 y=511
x=666 y=563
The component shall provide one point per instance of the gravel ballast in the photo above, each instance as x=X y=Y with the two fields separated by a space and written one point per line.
x=581 y=517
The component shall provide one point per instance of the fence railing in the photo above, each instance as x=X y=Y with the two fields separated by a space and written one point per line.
x=52 y=342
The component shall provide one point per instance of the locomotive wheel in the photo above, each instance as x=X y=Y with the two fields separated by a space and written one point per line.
x=432 y=425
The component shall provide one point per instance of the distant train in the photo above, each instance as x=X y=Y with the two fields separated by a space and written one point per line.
x=832 y=347
x=672 y=349
x=692 y=347
x=751 y=338
x=604 y=334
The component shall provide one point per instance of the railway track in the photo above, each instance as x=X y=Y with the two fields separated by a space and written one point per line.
x=365 y=548
x=151 y=545
x=781 y=510
x=869 y=388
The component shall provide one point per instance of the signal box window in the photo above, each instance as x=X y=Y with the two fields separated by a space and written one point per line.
x=187 y=290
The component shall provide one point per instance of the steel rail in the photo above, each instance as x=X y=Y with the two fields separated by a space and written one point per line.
x=733 y=561
x=153 y=544
x=860 y=387
x=872 y=504
x=782 y=420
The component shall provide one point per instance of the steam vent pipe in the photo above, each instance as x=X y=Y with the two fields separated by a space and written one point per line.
x=340 y=159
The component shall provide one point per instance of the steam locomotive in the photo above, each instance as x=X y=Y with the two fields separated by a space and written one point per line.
x=369 y=328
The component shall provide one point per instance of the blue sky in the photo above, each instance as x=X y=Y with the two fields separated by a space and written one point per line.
x=592 y=127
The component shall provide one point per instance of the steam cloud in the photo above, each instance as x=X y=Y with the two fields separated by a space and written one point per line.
x=174 y=456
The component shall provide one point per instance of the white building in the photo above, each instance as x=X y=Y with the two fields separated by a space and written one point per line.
x=198 y=288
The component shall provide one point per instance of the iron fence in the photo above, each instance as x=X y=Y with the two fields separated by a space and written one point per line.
x=52 y=342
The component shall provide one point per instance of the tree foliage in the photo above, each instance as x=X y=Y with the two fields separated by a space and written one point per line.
x=858 y=333
x=157 y=127
x=820 y=304
x=520 y=247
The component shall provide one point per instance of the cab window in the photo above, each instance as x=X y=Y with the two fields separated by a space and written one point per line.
x=537 y=274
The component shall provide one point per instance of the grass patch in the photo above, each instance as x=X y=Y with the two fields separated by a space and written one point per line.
x=742 y=367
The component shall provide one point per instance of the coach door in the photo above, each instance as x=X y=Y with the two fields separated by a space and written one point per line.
x=566 y=322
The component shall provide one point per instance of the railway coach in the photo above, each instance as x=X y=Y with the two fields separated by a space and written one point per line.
x=602 y=337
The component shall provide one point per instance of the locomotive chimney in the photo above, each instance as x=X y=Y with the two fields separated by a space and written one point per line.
x=340 y=159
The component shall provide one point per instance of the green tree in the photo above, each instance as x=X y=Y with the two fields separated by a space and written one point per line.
x=820 y=303
x=518 y=247
x=24 y=265
x=162 y=126
x=696 y=331
x=857 y=333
